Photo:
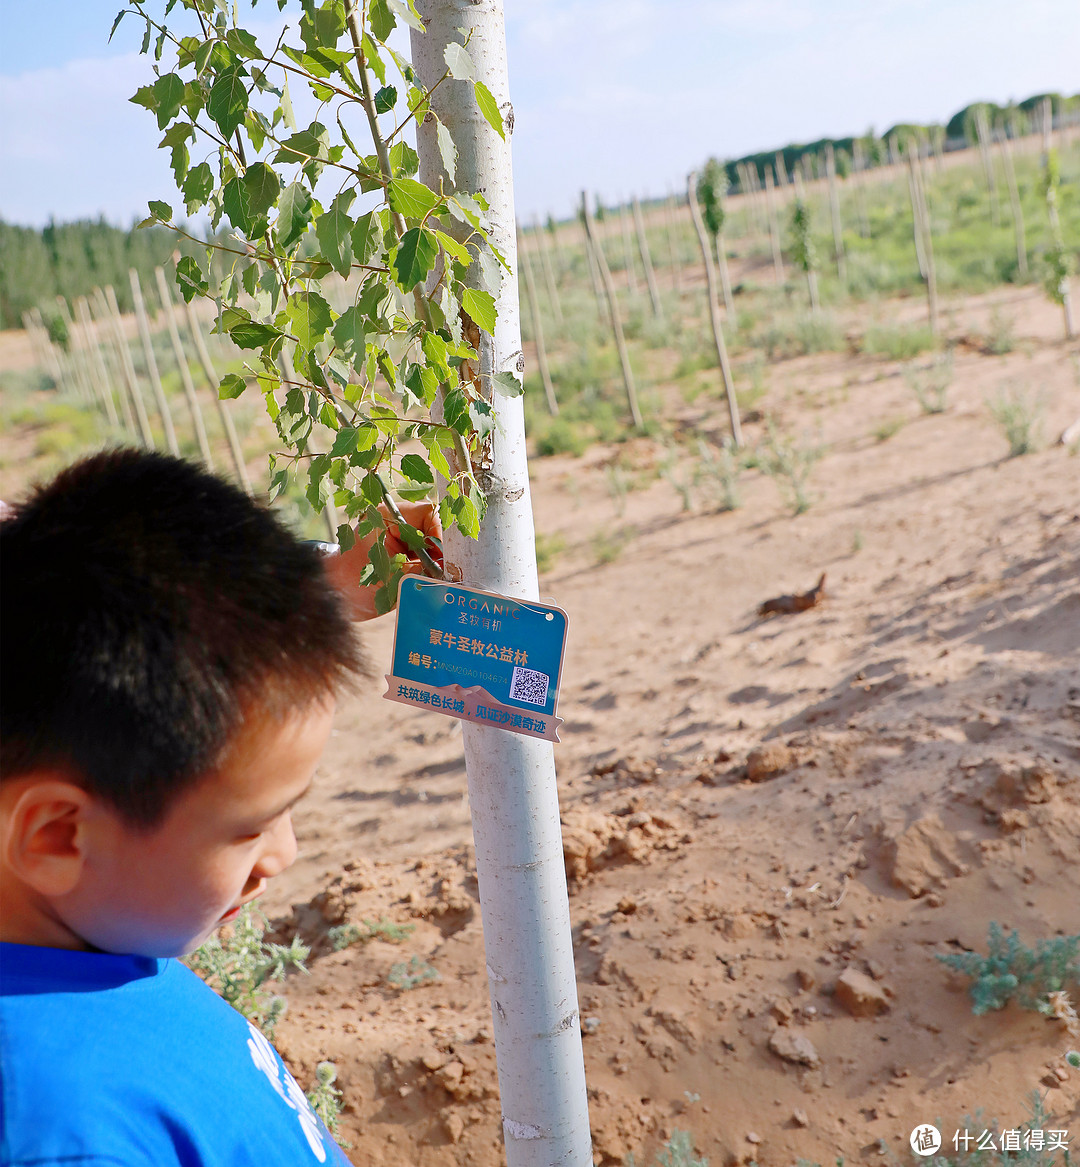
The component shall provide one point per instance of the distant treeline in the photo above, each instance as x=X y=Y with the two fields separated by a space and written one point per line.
x=873 y=150
x=71 y=259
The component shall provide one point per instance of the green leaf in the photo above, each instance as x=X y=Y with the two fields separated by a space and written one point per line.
x=457 y=251
x=489 y=108
x=459 y=62
x=251 y=334
x=242 y=43
x=169 y=91
x=434 y=348
x=197 y=186
x=237 y=203
x=321 y=27
x=447 y=151
x=481 y=308
x=407 y=13
x=348 y=334
x=365 y=235
x=232 y=385
x=160 y=210
x=385 y=99
x=344 y=442
x=410 y=198
x=380 y=19
x=263 y=187
x=416 y=468
x=294 y=214
x=404 y=160
x=508 y=384
x=333 y=229
x=468 y=517
x=146 y=97
x=228 y=101
x=422 y=383
x=415 y=256
x=482 y=417
x=310 y=317
x=189 y=279
x=116 y=23
x=287 y=115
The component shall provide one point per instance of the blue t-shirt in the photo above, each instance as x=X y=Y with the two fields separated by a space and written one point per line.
x=134 y=1062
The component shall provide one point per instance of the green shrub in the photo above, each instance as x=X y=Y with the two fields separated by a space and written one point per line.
x=897 y=342
x=720 y=470
x=789 y=465
x=1010 y=971
x=325 y=1098
x=344 y=935
x=930 y=384
x=1019 y=415
x=1001 y=338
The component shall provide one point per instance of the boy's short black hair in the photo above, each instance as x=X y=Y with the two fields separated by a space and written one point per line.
x=146 y=605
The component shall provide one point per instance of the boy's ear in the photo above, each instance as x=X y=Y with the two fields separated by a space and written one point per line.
x=43 y=832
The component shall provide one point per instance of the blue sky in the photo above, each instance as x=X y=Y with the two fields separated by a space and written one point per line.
x=617 y=96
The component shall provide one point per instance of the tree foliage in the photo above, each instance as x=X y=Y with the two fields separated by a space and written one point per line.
x=385 y=391
x=710 y=193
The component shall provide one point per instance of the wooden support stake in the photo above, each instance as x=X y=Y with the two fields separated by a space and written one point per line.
x=151 y=364
x=73 y=358
x=714 y=311
x=628 y=251
x=616 y=322
x=1016 y=208
x=774 y=229
x=646 y=260
x=983 y=136
x=923 y=230
x=110 y=358
x=538 y=330
x=834 y=208
x=223 y=412
x=127 y=369
x=197 y=422
x=99 y=374
x=670 y=226
x=549 y=270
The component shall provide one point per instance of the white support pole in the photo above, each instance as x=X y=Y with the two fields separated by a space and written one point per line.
x=512 y=787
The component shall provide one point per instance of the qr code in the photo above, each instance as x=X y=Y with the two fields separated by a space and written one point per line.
x=529 y=685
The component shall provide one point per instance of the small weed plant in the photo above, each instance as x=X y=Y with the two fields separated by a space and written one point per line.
x=325 y=1098
x=1001 y=338
x=607 y=545
x=789 y=464
x=930 y=384
x=678 y=1151
x=889 y=427
x=238 y=964
x=679 y=476
x=548 y=550
x=897 y=342
x=404 y=976
x=720 y=470
x=1011 y=971
x=1018 y=413
x=345 y=935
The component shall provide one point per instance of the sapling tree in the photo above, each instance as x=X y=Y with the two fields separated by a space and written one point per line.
x=307 y=206
x=1058 y=259
x=710 y=193
x=421 y=345
x=804 y=249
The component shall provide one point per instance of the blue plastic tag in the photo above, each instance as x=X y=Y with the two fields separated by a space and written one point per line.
x=478 y=656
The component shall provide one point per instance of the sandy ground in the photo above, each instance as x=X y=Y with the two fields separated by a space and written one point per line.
x=914 y=774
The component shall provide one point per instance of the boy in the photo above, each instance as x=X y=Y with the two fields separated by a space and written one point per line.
x=170 y=659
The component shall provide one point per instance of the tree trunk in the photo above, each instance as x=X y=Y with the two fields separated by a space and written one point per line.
x=714 y=310
x=646 y=261
x=834 y=208
x=512 y=788
x=222 y=406
x=613 y=312
x=151 y=364
x=538 y=330
x=197 y=423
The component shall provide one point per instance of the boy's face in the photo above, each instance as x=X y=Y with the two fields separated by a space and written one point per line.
x=162 y=892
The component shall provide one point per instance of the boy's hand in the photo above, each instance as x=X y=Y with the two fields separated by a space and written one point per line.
x=345 y=569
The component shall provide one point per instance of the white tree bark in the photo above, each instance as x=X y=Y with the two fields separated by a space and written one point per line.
x=512 y=788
